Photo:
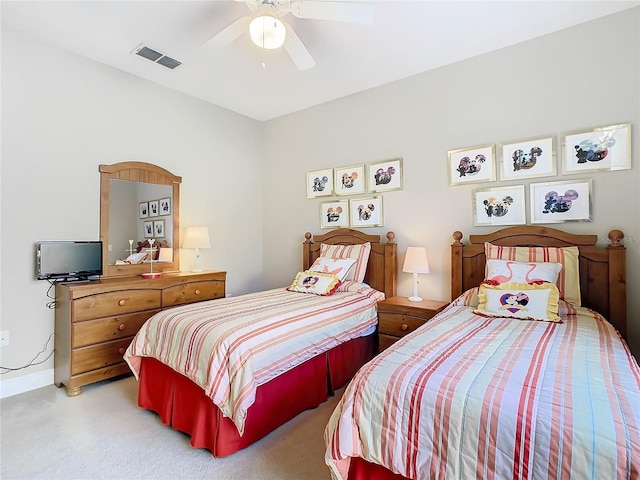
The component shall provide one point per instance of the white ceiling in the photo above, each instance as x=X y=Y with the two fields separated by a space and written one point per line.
x=406 y=38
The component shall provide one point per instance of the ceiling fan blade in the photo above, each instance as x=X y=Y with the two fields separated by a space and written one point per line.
x=350 y=12
x=297 y=51
x=230 y=33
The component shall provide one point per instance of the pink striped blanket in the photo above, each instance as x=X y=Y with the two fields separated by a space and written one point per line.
x=467 y=396
x=231 y=346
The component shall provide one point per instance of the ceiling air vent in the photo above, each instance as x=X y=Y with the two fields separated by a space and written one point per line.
x=156 y=56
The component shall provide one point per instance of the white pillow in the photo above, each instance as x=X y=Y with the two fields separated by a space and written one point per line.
x=504 y=271
x=336 y=266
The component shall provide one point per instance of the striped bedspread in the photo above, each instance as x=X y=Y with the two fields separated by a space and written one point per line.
x=231 y=346
x=468 y=397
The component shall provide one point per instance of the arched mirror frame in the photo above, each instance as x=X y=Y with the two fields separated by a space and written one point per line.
x=146 y=173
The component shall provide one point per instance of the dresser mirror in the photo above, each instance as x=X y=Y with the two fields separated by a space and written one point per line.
x=138 y=202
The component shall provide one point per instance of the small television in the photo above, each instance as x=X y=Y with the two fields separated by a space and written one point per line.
x=68 y=260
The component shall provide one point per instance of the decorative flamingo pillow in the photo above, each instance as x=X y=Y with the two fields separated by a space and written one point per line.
x=519 y=300
x=360 y=252
x=336 y=266
x=503 y=271
x=569 y=278
x=315 y=282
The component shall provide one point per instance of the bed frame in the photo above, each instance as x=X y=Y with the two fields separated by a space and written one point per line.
x=183 y=405
x=602 y=285
x=602 y=269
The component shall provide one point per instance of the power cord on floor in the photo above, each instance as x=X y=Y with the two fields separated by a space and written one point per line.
x=33 y=361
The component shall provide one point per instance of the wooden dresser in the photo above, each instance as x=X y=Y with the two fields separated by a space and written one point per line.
x=96 y=321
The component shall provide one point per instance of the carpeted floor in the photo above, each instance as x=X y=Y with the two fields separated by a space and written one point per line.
x=103 y=434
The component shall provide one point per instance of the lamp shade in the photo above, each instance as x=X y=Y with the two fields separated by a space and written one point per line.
x=196 y=237
x=416 y=260
x=267 y=32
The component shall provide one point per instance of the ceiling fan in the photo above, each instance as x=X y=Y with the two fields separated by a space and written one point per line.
x=269 y=31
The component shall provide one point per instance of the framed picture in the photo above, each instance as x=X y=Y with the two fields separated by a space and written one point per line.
x=143 y=210
x=158 y=228
x=385 y=176
x=556 y=202
x=528 y=158
x=334 y=214
x=153 y=208
x=365 y=212
x=599 y=149
x=472 y=165
x=349 y=180
x=148 y=229
x=165 y=206
x=499 y=206
x=320 y=183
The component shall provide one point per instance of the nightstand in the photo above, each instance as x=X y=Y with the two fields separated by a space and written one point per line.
x=397 y=317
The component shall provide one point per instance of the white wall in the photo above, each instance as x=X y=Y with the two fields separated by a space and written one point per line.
x=583 y=77
x=62 y=116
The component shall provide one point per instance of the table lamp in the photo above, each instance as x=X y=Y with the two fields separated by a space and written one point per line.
x=196 y=238
x=416 y=262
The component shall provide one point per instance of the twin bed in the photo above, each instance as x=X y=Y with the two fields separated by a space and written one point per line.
x=471 y=394
x=475 y=393
x=227 y=372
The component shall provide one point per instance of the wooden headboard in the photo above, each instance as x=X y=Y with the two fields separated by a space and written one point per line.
x=602 y=269
x=381 y=268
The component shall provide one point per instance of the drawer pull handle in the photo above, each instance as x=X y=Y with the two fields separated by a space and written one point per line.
x=122 y=302
x=197 y=292
x=404 y=327
x=121 y=327
x=121 y=351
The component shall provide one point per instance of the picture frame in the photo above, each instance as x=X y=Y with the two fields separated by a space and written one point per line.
x=385 y=176
x=564 y=201
x=165 y=206
x=472 y=165
x=366 y=212
x=499 y=206
x=143 y=210
x=154 y=208
x=158 y=228
x=148 y=229
x=349 y=180
x=535 y=157
x=334 y=214
x=320 y=183
x=601 y=149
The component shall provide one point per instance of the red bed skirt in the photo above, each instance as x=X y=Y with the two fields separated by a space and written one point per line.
x=183 y=405
x=360 y=469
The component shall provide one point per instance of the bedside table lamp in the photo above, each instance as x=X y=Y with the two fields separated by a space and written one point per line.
x=196 y=238
x=416 y=262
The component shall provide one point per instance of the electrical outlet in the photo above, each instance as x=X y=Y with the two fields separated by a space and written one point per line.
x=4 y=338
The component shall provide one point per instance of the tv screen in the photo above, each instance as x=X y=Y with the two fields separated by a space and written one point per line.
x=70 y=260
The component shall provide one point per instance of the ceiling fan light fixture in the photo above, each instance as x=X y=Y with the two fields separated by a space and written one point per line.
x=267 y=32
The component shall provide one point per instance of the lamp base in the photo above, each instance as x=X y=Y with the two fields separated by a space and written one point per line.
x=152 y=275
x=414 y=299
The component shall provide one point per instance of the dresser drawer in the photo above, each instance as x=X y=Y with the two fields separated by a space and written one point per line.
x=114 y=303
x=97 y=356
x=398 y=325
x=192 y=292
x=111 y=328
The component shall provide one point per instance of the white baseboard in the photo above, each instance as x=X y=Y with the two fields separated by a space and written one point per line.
x=26 y=383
